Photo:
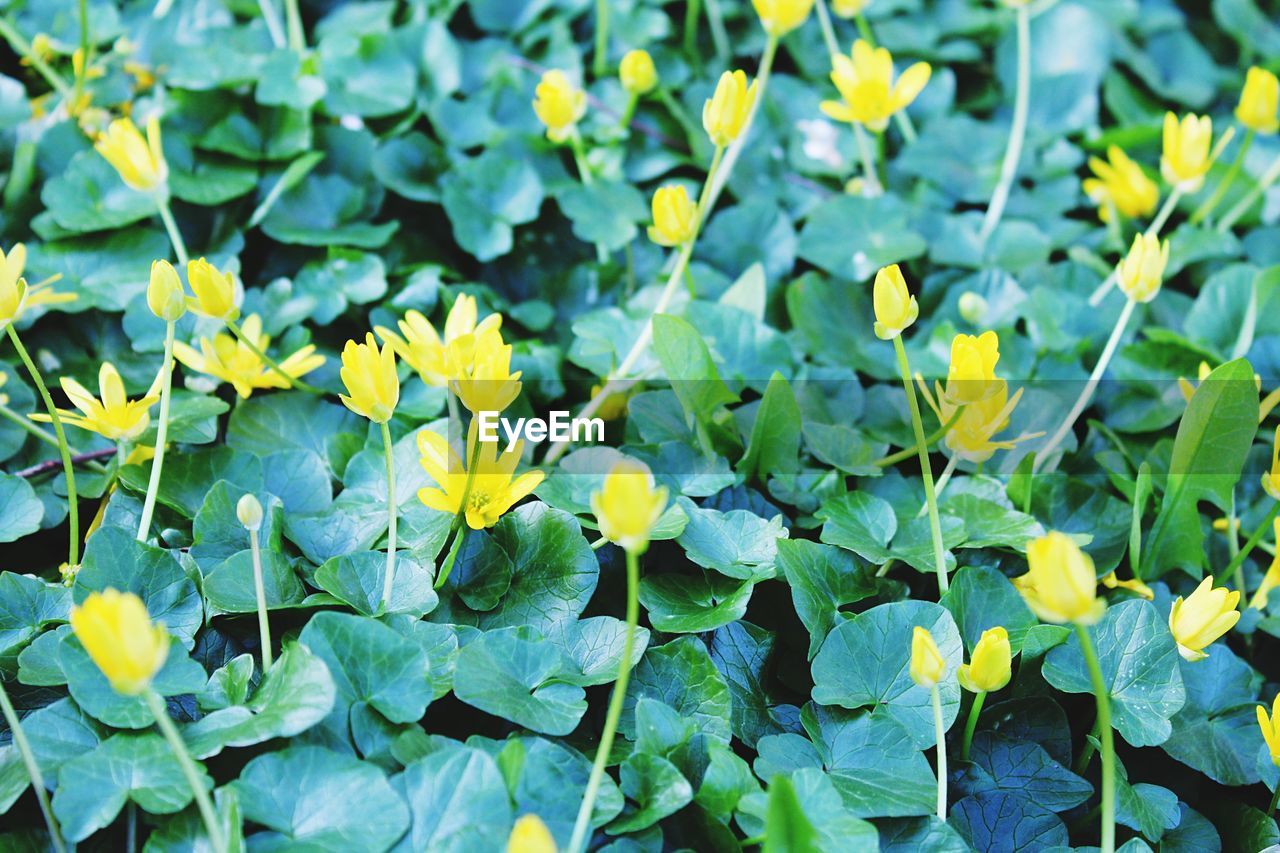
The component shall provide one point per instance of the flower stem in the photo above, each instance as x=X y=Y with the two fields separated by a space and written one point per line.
x=1233 y=568
x=291 y=381
x=392 y=512
x=582 y=824
x=926 y=472
x=293 y=19
x=179 y=749
x=692 y=10
x=272 y=21
x=68 y=469
x=264 y=624
x=171 y=226
x=907 y=452
x=941 y=485
x=1017 y=131
x=1270 y=177
x=941 y=734
x=1082 y=402
x=866 y=152
x=971 y=724
x=42 y=434
x=1210 y=204
x=1166 y=210
x=599 y=58
x=458 y=530
x=719 y=36
x=828 y=31
x=23 y=47
x=1275 y=801
x=162 y=430
x=33 y=769
x=1107 y=738
x=83 y=70
x=864 y=29
x=735 y=148
x=584 y=173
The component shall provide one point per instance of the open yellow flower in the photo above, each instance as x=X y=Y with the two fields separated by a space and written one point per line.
x=1271 y=729
x=779 y=17
x=373 y=388
x=725 y=112
x=223 y=357
x=121 y=639
x=1141 y=272
x=1110 y=581
x=1271 y=479
x=559 y=104
x=422 y=348
x=483 y=381
x=927 y=664
x=869 y=93
x=1271 y=579
x=896 y=309
x=675 y=216
x=1120 y=183
x=16 y=296
x=114 y=417
x=530 y=835
x=1203 y=617
x=991 y=665
x=215 y=291
x=1259 y=101
x=971 y=376
x=492 y=489
x=1187 y=150
x=637 y=74
x=140 y=162
x=1061 y=584
x=629 y=505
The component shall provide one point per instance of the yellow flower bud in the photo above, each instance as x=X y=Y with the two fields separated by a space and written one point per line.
x=895 y=307
x=1259 y=101
x=779 y=17
x=249 y=512
x=1187 y=155
x=990 y=667
x=973 y=307
x=725 y=112
x=927 y=664
x=215 y=291
x=637 y=74
x=1203 y=617
x=116 y=631
x=1271 y=729
x=559 y=104
x=13 y=287
x=1141 y=272
x=675 y=216
x=971 y=377
x=629 y=505
x=483 y=380
x=530 y=835
x=140 y=162
x=165 y=296
x=1120 y=183
x=373 y=387
x=1061 y=584
x=849 y=8
x=1271 y=479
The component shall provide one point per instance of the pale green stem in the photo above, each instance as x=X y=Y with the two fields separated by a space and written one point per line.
x=581 y=826
x=926 y=472
x=162 y=431
x=42 y=434
x=68 y=469
x=864 y=29
x=458 y=530
x=1086 y=394
x=1275 y=801
x=600 y=57
x=23 y=47
x=907 y=452
x=1017 y=131
x=264 y=624
x=941 y=733
x=290 y=381
x=584 y=172
x=1270 y=177
x=210 y=817
x=293 y=19
x=719 y=35
x=828 y=31
x=692 y=11
x=33 y=769
x=84 y=51
x=1162 y=218
x=171 y=226
x=272 y=21
x=624 y=120
x=1233 y=568
x=971 y=724
x=735 y=148
x=867 y=152
x=392 y=512
x=943 y=479
x=1205 y=210
x=1107 y=738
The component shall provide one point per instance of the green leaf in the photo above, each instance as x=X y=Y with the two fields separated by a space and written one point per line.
x=457 y=802
x=267 y=424
x=997 y=820
x=655 y=789
x=981 y=598
x=1023 y=768
x=679 y=604
x=687 y=365
x=89 y=196
x=823 y=579
x=514 y=673
x=357 y=580
x=92 y=692
x=775 y=435
x=786 y=828
x=1216 y=731
x=27 y=604
x=852 y=237
x=861 y=522
x=365 y=74
x=737 y=543
x=682 y=675
x=835 y=827
x=485 y=197
x=229 y=588
x=874 y=762
x=21 y=510
x=604 y=212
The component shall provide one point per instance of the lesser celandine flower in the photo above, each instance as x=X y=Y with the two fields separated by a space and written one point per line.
x=484 y=382
x=990 y=666
x=1271 y=579
x=16 y=296
x=927 y=664
x=559 y=104
x=637 y=73
x=1259 y=101
x=1137 y=587
x=165 y=296
x=1271 y=479
x=530 y=835
x=675 y=216
x=215 y=291
x=114 y=417
x=1061 y=584
x=725 y=112
x=1270 y=726
x=419 y=346
x=971 y=376
x=231 y=360
x=869 y=93
x=1141 y=272
x=1187 y=151
x=779 y=17
x=373 y=388
x=849 y=8
x=140 y=162
x=1203 y=617
x=1120 y=183
x=896 y=309
x=629 y=505
x=485 y=494
x=118 y=634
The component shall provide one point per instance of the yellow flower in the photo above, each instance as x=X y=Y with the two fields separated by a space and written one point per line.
x=990 y=666
x=1110 y=581
x=373 y=388
x=614 y=406
x=895 y=307
x=972 y=374
x=1141 y=272
x=483 y=381
x=1259 y=101
x=629 y=505
x=215 y=291
x=16 y=296
x=1120 y=183
x=1187 y=155
x=114 y=417
x=530 y=835
x=424 y=350
x=1061 y=584
x=121 y=639
x=1203 y=617
x=637 y=74
x=165 y=296
x=1187 y=388
x=779 y=17
x=927 y=664
x=230 y=360
x=139 y=161
x=675 y=216
x=559 y=104
x=1272 y=578
x=849 y=8
x=1271 y=479
x=869 y=94
x=492 y=490
x=725 y=112
x=1271 y=729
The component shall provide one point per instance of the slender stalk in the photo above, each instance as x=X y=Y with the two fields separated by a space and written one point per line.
x=971 y=724
x=735 y=149
x=293 y=19
x=1017 y=131
x=1082 y=402
x=171 y=226
x=828 y=31
x=179 y=749
x=692 y=10
x=600 y=57
x=1233 y=568
x=272 y=21
x=23 y=47
x=629 y=112
x=582 y=825
x=392 y=512
x=33 y=769
x=941 y=733
x=1211 y=203
x=943 y=479
x=1107 y=738
x=926 y=472
x=719 y=36
x=1275 y=801
x=1166 y=210
x=584 y=172
x=864 y=29
x=68 y=469
x=458 y=530
x=1087 y=752
x=1245 y=204
x=264 y=624
x=907 y=452
x=18 y=420
x=291 y=381
x=162 y=430
x=870 y=170
x=83 y=69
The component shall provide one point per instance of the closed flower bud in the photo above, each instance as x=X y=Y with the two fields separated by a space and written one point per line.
x=973 y=307
x=116 y=631
x=971 y=377
x=1061 y=584
x=779 y=17
x=559 y=104
x=165 y=296
x=1141 y=272
x=215 y=291
x=373 y=387
x=637 y=74
x=140 y=162
x=1203 y=617
x=530 y=835
x=629 y=505
x=927 y=664
x=675 y=216
x=1188 y=154
x=1270 y=726
x=990 y=667
x=895 y=307
x=849 y=8
x=249 y=512
x=725 y=112
x=1259 y=101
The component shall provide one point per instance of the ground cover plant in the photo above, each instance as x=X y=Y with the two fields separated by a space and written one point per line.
x=926 y=356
